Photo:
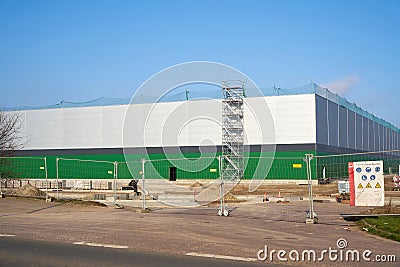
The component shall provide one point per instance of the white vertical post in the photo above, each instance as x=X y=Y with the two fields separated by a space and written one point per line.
x=115 y=183
x=222 y=209
x=143 y=190
x=221 y=187
x=57 y=177
x=312 y=218
x=45 y=170
x=1 y=187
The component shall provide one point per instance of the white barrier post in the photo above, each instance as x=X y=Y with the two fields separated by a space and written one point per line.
x=143 y=192
x=47 y=190
x=311 y=218
x=58 y=196
x=1 y=187
x=115 y=183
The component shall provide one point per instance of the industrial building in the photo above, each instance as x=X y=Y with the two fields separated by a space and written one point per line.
x=308 y=121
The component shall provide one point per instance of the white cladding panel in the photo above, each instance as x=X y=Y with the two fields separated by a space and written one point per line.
x=44 y=129
x=295 y=119
x=184 y=123
x=112 y=121
x=187 y=123
x=82 y=127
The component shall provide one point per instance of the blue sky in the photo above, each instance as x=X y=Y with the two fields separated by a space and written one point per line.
x=80 y=50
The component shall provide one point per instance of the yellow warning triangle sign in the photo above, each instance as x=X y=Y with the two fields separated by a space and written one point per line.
x=377 y=185
x=360 y=186
x=368 y=186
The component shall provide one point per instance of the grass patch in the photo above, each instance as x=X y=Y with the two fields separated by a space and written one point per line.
x=387 y=209
x=384 y=226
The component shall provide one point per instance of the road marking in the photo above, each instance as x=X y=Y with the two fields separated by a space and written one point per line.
x=194 y=254
x=100 y=245
x=116 y=246
x=5 y=235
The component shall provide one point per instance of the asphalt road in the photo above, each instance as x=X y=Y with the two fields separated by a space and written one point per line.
x=17 y=252
x=63 y=234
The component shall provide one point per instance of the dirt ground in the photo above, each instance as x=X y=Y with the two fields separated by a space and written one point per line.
x=27 y=190
x=179 y=231
x=287 y=190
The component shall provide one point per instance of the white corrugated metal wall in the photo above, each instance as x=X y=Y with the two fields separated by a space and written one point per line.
x=101 y=127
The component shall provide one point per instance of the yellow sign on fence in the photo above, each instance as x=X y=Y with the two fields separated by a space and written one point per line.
x=297 y=165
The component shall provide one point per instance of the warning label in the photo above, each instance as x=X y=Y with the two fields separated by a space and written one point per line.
x=368 y=183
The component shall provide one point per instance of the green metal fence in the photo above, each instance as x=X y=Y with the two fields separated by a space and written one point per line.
x=23 y=168
x=256 y=167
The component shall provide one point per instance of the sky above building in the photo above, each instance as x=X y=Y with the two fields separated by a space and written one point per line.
x=81 y=50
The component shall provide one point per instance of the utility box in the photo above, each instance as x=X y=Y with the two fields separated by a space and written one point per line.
x=344 y=187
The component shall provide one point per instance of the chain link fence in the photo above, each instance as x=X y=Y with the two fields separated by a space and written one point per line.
x=17 y=172
x=190 y=182
x=335 y=167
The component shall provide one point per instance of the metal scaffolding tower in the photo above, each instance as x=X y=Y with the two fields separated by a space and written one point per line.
x=232 y=159
x=232 y=130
